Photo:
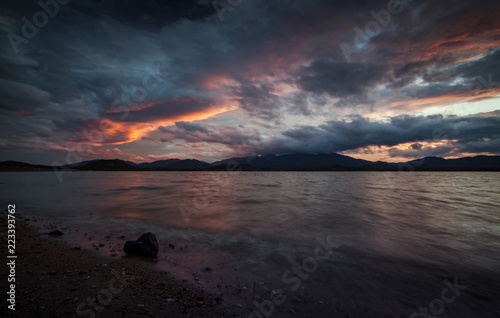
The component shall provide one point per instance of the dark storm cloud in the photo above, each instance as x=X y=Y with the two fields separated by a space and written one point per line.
x=491 y=145
x=87 y=57
x=161 y=110
x=188 y=126
x=416 y=146
x=487 y=68
x=426 y=68
x=452 y=148
x=340 y=79
x=437 y=46
x=19 y=96
x=198 y=133
x=149 y=14
x=89 y=50
x=335 y=136
x=123 y=32
x=142 y=14
x=95 y=54
x=433 y=29
x=258 y=99
x=478 y=75
x=439 y=151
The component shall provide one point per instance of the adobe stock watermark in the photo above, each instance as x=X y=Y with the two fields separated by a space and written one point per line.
x=50 y=8
x=437 y=135
x=484 y=84
x=103 y=297
x=150 y=81
x=381 y=21
x=438 y=305
x=484 y=87
x=221 y=6
x=294 y=277
x=202 y=196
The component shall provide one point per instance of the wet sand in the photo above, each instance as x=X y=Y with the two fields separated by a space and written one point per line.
x=57 y=280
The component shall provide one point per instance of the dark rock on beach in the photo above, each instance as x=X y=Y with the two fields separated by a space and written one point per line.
x=146 y=245
x=56 y=281
x=56 y=233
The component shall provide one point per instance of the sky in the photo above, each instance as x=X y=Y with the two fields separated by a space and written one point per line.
x=145 y=80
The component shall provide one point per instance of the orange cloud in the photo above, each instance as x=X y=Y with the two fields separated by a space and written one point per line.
x=424 y=149
x=107 y=131
x=468 y=38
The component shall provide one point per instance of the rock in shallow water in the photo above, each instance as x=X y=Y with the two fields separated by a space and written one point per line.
x=146 y=245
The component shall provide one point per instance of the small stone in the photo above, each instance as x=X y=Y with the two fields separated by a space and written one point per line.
x=55 y=233
x=146 y=245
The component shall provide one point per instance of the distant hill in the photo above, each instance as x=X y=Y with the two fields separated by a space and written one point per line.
x=298 y=161
x=189 y=164
x=107 y=165
x=170 y=164
x=21 y=166
x=81 y=163
x=379 y=166
x=290 y=162
x=157 y=164
x=467 y=163
x=239 y=167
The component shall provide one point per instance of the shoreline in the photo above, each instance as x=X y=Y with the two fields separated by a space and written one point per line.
x=56 y=280
x=227 y=289
x=257 y=239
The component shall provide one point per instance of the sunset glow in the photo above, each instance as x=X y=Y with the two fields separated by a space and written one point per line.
x=301 y=79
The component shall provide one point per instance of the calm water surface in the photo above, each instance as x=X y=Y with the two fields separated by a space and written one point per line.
x=396 y=236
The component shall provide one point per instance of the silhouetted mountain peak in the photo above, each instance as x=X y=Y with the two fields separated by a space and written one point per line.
x=286 y=162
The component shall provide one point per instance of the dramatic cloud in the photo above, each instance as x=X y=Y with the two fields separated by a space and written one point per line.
x=480 y=133
x=156 y=79
x=198 y=133
x=340 y=79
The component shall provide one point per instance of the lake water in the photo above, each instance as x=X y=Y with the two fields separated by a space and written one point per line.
x=395 y=241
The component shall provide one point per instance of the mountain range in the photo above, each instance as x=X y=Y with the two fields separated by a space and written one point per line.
x=289 y=162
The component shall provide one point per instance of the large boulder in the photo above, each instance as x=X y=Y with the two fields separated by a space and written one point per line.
x=146 y=245
x=55 y=233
